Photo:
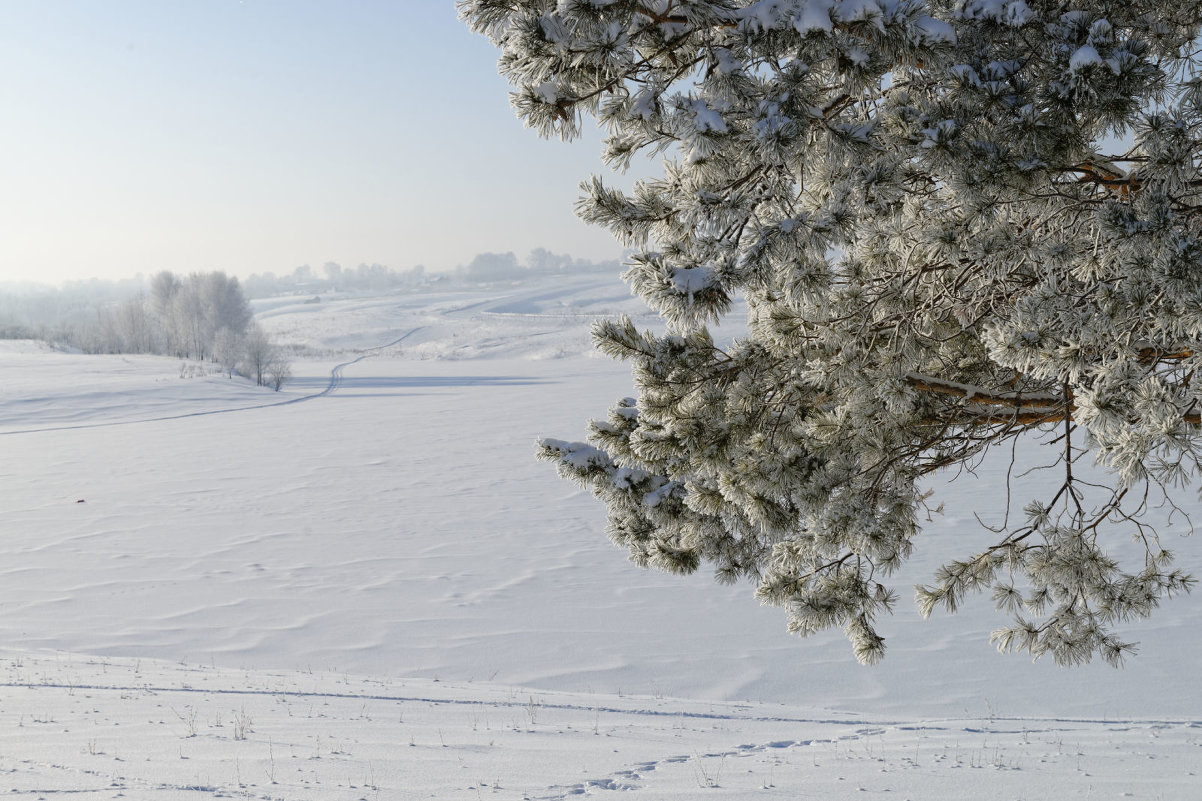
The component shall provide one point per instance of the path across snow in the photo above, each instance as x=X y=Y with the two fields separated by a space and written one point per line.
x=335 y=381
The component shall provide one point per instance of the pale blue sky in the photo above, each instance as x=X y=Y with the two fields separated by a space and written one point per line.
x=139 y=135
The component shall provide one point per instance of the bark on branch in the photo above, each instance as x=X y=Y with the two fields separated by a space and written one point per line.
x=984 y=406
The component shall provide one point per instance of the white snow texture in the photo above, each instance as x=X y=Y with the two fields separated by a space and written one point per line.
x=365 y=587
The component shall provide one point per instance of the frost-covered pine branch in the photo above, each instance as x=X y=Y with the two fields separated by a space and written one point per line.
x=941 y=248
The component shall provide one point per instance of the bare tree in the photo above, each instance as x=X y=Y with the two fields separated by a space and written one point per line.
x=163 y=287
x=227 y=349
x=279 y=370
x=256 y=354
x=263 y=361
x=224 y=304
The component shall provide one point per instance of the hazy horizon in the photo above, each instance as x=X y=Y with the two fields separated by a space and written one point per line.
x=254 y=137
x=522 y=269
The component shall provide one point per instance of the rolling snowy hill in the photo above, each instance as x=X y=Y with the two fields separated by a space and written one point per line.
x=365 y=587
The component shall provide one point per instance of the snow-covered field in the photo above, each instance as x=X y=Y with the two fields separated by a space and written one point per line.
x=365 y=587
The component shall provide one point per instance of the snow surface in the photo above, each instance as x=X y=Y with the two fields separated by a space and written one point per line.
x=365 y=587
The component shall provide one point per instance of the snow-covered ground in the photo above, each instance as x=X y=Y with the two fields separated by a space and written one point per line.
x=365 y=587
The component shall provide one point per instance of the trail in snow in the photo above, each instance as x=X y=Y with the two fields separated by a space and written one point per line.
x=336 y=373
x=739 y=712
x=263 y=735
x=335 y=381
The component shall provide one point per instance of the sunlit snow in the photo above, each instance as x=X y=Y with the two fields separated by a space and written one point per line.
x=364 y=586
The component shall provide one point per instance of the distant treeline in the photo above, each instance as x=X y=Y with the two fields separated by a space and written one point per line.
x=484 y=268
x=489 y=267
x=332 y=277
x=202 y=316
x=205 y=316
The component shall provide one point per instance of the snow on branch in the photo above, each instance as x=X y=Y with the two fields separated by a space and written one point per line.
x=912 y=200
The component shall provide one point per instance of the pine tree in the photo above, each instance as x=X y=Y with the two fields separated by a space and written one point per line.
x=954 y=222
